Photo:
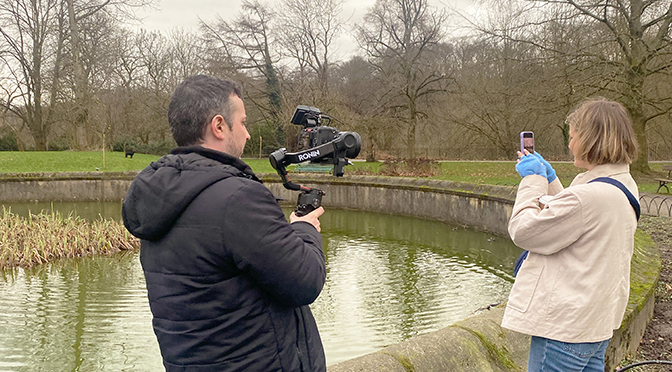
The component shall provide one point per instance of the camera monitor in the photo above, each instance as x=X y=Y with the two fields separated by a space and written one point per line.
x=307 y=116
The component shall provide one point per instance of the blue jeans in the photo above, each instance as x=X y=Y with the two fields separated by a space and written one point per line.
x=548 y=355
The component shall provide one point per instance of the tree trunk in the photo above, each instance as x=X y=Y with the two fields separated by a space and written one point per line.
x=634 y=102
x=274 y=97
x=641 y=164
x=81 y=110
x=36 y=119
x=55 y=81
x=635 y=107
x=634 y=89
x=40 y=138
x=412 y=125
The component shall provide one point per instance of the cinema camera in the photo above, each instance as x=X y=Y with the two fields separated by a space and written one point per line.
x=317 y=144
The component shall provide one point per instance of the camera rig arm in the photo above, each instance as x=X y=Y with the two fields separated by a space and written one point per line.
x=345 y=145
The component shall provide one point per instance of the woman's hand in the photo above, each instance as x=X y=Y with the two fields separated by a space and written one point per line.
x=550 y=172
x=530 y=165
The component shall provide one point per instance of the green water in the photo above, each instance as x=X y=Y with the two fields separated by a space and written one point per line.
x=388 y=279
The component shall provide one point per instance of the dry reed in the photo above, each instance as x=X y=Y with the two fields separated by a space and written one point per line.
x=44 y=237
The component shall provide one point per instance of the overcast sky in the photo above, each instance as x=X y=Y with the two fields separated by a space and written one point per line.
x=172 y=14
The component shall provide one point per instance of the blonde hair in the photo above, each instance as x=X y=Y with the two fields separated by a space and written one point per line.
x=603 y=132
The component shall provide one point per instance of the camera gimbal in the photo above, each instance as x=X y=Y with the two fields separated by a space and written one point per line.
x=344 y=145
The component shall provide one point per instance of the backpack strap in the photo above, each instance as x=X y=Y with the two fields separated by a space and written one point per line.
x=631 y=198
x=519 y=262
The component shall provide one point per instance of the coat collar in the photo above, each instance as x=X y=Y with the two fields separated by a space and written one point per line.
x=219 y=156
x=603 y=170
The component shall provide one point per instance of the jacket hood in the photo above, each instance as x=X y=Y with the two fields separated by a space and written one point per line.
x=161 y=192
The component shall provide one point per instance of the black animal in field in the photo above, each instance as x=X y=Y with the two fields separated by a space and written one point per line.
x=128 y=153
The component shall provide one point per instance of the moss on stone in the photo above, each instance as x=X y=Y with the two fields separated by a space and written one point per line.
x=404 y=361
x=645 y=269
x=499 y=355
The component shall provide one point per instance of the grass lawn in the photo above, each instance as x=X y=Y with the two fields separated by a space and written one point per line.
x=485 y=172
x=70 y=161
x=479 y=172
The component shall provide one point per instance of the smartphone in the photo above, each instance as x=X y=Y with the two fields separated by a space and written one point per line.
x=527 y=142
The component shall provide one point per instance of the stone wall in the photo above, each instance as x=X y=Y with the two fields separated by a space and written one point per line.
x=482 y=207
x=84 y=186
x=474 y=344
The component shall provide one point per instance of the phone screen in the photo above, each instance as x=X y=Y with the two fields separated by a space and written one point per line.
x=527 y=141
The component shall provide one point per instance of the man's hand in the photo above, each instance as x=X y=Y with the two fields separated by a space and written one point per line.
x=311 y=218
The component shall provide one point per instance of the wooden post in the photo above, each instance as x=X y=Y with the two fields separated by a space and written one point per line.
x=103 y=150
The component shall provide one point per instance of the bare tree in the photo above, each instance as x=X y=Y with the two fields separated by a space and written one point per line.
x=308 y=32
x=154 y=56
x=506 y=86
x=33 y=42
x=155 y=53
x=246 y=43
x=187 y=52
x=401 y=39
x=80 y=11
x=359 y=89
x=137 y=101
x=630 y=48
x=122 y=97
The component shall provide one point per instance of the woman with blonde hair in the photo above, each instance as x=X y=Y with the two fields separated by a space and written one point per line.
x=571 y=291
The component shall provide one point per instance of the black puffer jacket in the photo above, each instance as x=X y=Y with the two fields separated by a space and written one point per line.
x=228 y=279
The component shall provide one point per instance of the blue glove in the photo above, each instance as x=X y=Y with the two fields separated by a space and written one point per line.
x=550 y=172
x=529 y=165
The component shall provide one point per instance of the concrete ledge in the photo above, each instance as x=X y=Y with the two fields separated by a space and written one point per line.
x=475 y=344
x=75 y=186
x=644 y=273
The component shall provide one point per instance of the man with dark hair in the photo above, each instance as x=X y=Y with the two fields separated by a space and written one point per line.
x=229 y=280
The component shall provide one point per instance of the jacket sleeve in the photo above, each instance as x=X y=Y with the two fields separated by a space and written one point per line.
x=555 y=187
x=285 y=260
x=548 y=230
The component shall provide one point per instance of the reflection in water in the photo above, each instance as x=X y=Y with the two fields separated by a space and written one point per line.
x=388 y=279
x=77 y=315
x=391 y=278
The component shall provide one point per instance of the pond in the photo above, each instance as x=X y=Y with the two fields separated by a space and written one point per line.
x=389 y=278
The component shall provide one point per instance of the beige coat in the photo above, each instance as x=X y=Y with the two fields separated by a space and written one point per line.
x=574 y=285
